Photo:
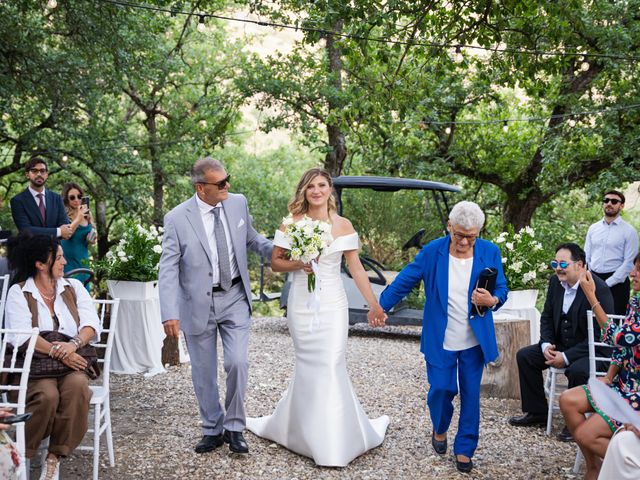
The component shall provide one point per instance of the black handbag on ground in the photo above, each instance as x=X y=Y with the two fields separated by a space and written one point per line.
x=486 y=280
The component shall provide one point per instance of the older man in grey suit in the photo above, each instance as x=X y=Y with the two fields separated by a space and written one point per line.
x=204 y=288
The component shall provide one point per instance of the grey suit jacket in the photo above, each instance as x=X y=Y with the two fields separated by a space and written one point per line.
x=185 y=265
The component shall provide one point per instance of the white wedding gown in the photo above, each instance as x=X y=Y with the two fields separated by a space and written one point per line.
x=319 y=415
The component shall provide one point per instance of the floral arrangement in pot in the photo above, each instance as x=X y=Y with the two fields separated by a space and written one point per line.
x=524 y=259
x=136 y=256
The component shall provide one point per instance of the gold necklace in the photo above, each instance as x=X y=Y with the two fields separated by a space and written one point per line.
x=47 y=297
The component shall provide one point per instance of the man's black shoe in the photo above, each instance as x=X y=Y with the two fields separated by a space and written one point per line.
x=565 y=435
x=529 y=419
x=208 y=443
x=237 y=443
x=440 y=446
x=464 y=467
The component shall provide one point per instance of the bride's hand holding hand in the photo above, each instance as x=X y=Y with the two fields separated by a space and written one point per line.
x=376 y=316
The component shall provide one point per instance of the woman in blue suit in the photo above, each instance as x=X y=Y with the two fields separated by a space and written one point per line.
x=456 y=342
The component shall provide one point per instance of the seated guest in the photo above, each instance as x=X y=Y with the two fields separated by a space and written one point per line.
x=592 y=433
x=41 y=297
x=622 y=460
x=563 y=336
x=76 y=248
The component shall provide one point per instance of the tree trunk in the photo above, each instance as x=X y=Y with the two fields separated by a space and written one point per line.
x=518 y=212
x=338 y=152
x=102 y=228
x=156 y=169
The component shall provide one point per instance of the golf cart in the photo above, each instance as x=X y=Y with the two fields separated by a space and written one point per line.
x=379 y=276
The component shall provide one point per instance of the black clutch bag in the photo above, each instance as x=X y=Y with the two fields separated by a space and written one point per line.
x=486 y=280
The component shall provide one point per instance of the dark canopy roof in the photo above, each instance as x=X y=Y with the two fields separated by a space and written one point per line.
x=390 y=184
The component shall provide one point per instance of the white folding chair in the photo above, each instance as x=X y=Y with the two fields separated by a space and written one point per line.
x=593 y=359
x=4 y=289
x=21 y=388
x=100 y=393
x=552 y=390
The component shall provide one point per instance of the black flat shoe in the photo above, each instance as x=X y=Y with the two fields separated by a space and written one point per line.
x=528 y=420
x=440 y=446
x=464 y=467
x=208 y=443
x=237 y=443
x=565 y=435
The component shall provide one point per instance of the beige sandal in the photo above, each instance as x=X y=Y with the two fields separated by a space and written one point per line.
x=51 y=469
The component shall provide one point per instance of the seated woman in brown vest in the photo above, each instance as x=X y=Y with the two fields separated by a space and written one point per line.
x=41 y=297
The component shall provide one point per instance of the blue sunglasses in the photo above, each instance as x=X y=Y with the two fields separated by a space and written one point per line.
x=562 y=264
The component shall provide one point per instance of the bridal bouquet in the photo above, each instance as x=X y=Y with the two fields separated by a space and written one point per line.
x=308 y=238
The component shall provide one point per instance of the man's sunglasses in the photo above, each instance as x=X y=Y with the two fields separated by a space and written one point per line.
x=562 y=264
x=221 y=184
x=38 y=170
x=73 y=197
x=612 y=201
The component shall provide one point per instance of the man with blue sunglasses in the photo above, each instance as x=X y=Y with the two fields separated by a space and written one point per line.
x=563 y=336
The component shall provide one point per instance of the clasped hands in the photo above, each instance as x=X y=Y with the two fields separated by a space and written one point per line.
x=376 y=316
x=66 y=353
x=554 y=358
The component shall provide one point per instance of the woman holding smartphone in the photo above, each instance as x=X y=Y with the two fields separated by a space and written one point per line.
x=76 y=248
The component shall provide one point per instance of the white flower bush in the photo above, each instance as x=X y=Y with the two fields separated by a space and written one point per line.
x=524 y=258
x=136 y=256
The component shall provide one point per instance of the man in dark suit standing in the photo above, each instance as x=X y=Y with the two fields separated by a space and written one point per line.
x=563 y=336
x=37 y=209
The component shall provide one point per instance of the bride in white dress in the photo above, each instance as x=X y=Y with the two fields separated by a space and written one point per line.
x=319 y=415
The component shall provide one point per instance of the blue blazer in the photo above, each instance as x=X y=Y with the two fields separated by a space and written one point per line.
x=431 y=266
x=26 y=214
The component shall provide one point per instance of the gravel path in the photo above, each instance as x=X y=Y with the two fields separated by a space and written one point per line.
x=156 y=422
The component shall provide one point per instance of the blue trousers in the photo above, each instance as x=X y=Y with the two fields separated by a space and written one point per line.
x=463 y=370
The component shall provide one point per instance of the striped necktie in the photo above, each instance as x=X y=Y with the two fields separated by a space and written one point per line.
x=224 y=264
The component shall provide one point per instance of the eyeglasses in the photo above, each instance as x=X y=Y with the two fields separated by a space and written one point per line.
x=221 y=184
x=74 y=197
x=612 y=201
x=562 y=264
x=38 y=170
x=460 y=236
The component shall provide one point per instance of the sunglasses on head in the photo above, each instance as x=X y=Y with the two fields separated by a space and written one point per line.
x=612 y=201
x=221 y=184
x=74 y=197
x=562 y=264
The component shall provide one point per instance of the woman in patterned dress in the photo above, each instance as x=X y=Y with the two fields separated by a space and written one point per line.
x=594 y=432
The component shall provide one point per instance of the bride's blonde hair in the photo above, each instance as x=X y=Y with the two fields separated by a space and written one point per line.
x=298 y=205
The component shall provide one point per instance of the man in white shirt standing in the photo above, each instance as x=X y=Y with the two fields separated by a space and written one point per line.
x=610 y=246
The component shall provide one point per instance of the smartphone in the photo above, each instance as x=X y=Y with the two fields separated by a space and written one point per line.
x=85 y=201
x=16 y=418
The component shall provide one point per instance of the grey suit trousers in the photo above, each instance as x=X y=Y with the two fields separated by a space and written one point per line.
x=230 y=315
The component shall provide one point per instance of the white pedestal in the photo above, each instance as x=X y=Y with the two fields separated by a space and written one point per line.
x=521 y=304
x=137 y=347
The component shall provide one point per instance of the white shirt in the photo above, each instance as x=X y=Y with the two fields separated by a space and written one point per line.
x=459 y=335
x=567 y=300
x=18 y=315
x=611 y=247
x=35 y=194
x=208 y=220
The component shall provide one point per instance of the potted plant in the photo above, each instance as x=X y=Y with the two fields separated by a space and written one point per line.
x=525 y=265
x=131 y=267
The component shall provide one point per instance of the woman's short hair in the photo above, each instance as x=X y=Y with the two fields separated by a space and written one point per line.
x=298 y=204
x=201 y=167
x=467 y=215
x=25 y=249
x=67 y=188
